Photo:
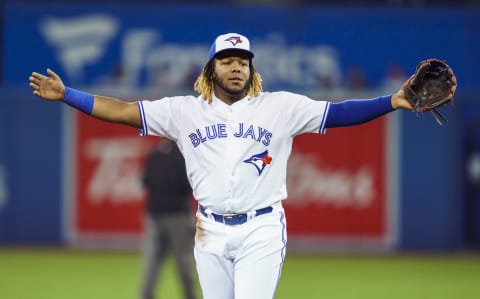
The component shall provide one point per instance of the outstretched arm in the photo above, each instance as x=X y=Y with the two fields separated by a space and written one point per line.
x=108 y=109
x=354 y=112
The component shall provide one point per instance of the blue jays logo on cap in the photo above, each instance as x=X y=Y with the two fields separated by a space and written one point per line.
x=234 y=40
x=259 y=161
x=230 y=41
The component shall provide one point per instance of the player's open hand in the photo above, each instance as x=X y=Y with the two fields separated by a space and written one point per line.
x=48 y=87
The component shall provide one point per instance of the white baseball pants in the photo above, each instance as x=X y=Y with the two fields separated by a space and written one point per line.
x=241 y=261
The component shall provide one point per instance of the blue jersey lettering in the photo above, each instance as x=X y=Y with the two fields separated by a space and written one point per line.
x=240 y=131
x=215 y=131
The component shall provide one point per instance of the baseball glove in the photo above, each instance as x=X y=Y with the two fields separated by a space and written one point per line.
x=430 y=87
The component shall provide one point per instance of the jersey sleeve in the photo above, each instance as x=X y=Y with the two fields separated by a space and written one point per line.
x=158 y=117
x=305 y=115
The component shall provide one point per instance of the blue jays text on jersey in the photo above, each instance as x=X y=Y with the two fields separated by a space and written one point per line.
x=214 y=131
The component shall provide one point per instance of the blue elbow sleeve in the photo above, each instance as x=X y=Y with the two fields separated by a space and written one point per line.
x=352 y=112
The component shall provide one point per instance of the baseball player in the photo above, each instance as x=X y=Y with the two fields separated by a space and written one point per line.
x=236 y=140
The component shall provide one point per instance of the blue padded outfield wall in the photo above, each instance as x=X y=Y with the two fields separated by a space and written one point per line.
x=30 y=156
x=148 y=49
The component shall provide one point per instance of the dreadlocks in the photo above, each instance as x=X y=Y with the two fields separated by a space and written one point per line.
x=205 y=81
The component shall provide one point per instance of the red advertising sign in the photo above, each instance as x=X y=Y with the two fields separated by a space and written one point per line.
x=336 y=182
x=109 y=163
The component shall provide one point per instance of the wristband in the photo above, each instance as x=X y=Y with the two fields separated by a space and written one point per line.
x=78 y=99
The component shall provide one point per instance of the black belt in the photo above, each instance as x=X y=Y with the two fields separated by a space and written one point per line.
x=234 y=219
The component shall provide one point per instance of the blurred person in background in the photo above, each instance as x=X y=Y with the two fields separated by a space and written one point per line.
x=169 y=218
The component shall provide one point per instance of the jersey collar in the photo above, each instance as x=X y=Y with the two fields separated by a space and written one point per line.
x=219 y=102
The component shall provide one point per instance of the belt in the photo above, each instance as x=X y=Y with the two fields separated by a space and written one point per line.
x=234 y=219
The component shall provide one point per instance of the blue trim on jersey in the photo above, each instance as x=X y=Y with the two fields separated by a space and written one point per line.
x=144 y=130
x=353 y=112
x=322 y=128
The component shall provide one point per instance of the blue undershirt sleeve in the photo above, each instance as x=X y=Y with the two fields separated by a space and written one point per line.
x=353 y=112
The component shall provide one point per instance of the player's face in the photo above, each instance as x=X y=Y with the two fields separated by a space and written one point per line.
x=232 y=76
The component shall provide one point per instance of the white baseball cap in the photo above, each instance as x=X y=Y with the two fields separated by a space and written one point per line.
x=230 y=41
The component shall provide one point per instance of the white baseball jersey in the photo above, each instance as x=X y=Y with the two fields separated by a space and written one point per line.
x=236 y=155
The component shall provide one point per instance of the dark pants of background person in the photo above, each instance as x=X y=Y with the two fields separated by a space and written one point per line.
x=168 y=233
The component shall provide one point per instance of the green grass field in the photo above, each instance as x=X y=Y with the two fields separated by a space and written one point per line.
x=68 y=274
